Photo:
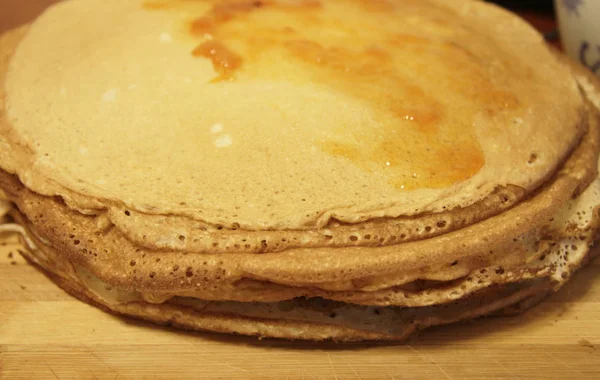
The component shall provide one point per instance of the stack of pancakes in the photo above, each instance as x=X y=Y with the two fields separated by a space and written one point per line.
x=302 y=169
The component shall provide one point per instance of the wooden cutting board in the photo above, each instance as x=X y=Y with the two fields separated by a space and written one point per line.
x=46 y=334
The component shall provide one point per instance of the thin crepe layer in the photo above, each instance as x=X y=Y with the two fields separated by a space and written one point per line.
x=503 y=247
x=91 y=243
x=552 y=251
x=314 y=319
x=155 y=231
x=514 y=103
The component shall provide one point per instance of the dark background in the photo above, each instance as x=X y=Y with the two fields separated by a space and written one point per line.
x=538 y=5
x=538 y=12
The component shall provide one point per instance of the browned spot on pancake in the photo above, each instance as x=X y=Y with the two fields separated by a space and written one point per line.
x=222 y=13
x=226 y=11
x=202 y=26
x=209 y=26
x=224 y=60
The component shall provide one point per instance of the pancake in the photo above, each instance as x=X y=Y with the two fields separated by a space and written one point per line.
x=298 y=169
x=314 y=319
x=537 y=253
x=121 y=263
x=452 y=136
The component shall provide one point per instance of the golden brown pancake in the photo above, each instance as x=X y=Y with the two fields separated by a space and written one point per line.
x=443 y=258
x=301 y=169
x=351 y=111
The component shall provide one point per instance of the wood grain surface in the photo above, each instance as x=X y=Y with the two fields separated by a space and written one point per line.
x=46 y=334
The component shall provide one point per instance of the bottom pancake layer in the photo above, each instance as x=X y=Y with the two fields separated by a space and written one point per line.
x=300 y=318
x=316 y=318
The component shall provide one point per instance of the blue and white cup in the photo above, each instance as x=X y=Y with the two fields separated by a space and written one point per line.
x=579 y=23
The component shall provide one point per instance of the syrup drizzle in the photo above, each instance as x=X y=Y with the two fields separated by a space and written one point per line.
x=419 y=143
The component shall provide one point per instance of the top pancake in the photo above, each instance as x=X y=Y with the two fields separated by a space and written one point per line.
x=284 y=114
